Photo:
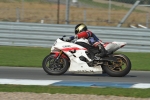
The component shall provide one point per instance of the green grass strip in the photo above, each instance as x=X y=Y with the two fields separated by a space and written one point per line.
x=33 y=57
x=138 y=93
x=22 y=56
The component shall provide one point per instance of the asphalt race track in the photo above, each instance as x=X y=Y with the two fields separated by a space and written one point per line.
x=85 y=79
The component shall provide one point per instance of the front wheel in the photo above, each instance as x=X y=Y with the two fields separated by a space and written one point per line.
x=53 y=66
x=119 y=68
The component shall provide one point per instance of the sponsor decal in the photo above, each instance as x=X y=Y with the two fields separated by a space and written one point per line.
x=73 y=48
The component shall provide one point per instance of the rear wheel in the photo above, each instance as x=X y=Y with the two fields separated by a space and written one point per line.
x=119 y=68
x=53 y=66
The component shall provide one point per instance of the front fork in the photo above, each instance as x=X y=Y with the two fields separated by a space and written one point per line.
x=58 y=56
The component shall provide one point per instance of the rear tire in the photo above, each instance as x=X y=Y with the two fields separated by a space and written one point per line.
x=55 y=68
x=116 y=69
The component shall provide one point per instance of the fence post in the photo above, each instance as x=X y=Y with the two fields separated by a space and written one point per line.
x=147 y=20
x=67 y=11
x=109 y=11
x=18 y=14
x=58 y=3
x=22 y=11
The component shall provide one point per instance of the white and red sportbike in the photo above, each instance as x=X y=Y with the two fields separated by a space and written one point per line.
x=79 y=56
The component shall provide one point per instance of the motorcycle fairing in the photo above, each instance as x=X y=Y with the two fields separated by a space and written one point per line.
x=75 y=63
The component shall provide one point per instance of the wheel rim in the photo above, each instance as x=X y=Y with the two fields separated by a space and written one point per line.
x=55 y=66
x=118 y=66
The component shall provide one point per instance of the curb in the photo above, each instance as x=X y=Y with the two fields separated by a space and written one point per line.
x=74 y=83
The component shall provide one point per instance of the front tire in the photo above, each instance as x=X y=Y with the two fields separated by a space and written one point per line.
x=120 y=68
x=53 y=67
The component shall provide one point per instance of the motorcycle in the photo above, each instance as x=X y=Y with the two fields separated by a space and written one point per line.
x=80 y=56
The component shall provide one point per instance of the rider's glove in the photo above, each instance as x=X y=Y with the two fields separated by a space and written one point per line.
x=70 y=39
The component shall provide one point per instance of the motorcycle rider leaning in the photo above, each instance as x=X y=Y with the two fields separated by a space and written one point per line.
x=81 y=31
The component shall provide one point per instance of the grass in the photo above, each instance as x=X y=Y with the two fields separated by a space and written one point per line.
x=33 y=57
x=138 y=93
x=22 y=56
x=140 y=61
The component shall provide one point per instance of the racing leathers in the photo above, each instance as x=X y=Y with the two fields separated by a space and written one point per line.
x=93 y=40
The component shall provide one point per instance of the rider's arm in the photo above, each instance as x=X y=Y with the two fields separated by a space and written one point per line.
x=97 y=39
x=84 y=34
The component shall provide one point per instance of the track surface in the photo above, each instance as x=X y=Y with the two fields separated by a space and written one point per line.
x=39 y=74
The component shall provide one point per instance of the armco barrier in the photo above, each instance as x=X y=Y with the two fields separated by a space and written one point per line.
x=44 y=35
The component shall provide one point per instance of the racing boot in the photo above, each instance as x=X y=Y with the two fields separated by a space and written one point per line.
x=103 y=52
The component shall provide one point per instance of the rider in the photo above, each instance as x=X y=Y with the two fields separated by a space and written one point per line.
x=81 y=31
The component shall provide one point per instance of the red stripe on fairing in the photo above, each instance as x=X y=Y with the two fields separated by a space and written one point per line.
x=57 y=53
x=73 y=48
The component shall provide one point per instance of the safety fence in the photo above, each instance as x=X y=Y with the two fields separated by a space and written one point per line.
x=44 y=35
x=91 y=12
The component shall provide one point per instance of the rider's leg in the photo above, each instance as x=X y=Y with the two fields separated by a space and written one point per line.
x=99 y=45
x=102 y=50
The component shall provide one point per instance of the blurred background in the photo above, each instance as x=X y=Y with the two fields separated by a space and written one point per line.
x=90 y=12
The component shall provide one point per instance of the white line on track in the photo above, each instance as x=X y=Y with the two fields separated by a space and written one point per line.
x=67 y=83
